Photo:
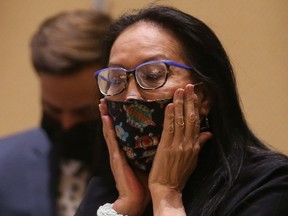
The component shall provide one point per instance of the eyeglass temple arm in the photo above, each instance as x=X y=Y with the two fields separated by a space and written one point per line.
x=104 y=78
x=178 y=65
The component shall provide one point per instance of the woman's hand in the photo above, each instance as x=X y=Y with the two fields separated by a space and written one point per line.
x=177 y=153
x=133 y=190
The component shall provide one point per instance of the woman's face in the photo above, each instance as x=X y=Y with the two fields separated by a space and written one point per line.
x=144 y=42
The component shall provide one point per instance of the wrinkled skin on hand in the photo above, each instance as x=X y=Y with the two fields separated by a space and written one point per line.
x=175 y=160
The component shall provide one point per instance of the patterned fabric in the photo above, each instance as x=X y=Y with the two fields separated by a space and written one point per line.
x=138 y=127
x=73 y=181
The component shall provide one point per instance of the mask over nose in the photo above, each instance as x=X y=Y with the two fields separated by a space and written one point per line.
x=138 y=126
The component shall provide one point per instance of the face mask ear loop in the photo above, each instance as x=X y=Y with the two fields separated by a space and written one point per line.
x=206 y=125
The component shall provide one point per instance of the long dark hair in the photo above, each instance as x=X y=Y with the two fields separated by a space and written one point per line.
x=221 y=161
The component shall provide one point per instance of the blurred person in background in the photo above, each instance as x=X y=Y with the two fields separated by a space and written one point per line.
x=45 y=170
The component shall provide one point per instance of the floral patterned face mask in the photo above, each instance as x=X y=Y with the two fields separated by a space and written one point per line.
x=138 y=126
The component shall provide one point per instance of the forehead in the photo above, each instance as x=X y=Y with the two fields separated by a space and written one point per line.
x=71 y=91
x=144 y=41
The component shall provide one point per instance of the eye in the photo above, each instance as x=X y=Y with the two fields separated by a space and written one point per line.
x=86 y=112
x=116 y=78
x=152 y=75
x=152 y=72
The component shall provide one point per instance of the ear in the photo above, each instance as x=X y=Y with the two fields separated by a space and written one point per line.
x=204 y=102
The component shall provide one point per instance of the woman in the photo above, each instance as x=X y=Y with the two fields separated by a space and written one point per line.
x=168 y=72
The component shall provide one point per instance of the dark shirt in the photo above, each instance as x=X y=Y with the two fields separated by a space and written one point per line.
x=99 y=191
x=261 y=189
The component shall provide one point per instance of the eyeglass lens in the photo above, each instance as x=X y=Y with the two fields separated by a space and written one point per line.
x=148 y=76
x=152 y=75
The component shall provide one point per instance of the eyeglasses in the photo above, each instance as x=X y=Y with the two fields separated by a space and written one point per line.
x=149 y=75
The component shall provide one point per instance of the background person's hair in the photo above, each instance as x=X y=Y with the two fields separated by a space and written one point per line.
x=69 y=42
x=222 y=158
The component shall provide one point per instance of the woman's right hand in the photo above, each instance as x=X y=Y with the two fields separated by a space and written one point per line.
x=132 y=187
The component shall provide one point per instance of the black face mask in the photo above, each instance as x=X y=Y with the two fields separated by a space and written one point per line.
x=79 y=142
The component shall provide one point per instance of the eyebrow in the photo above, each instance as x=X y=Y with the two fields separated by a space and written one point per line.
x=50 y=106
x=85 y=108
x=77 y=109
x=157 y=57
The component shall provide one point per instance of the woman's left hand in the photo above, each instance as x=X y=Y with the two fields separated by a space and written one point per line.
x=177 y=153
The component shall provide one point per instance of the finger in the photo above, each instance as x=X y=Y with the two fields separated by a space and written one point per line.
x=168 y=127
x=191 y=114
x=179 y=123
x=109 y=134
x=195 y=119
x=204 y=137
x=108 y=128
x=113 y=147
x=199 y=142
x=103 y=107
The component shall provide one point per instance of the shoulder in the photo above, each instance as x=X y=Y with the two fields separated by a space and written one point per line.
x=27 y=135
x=264 y=168
x=25 y=173
x=24 y=144
x=262 y=187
